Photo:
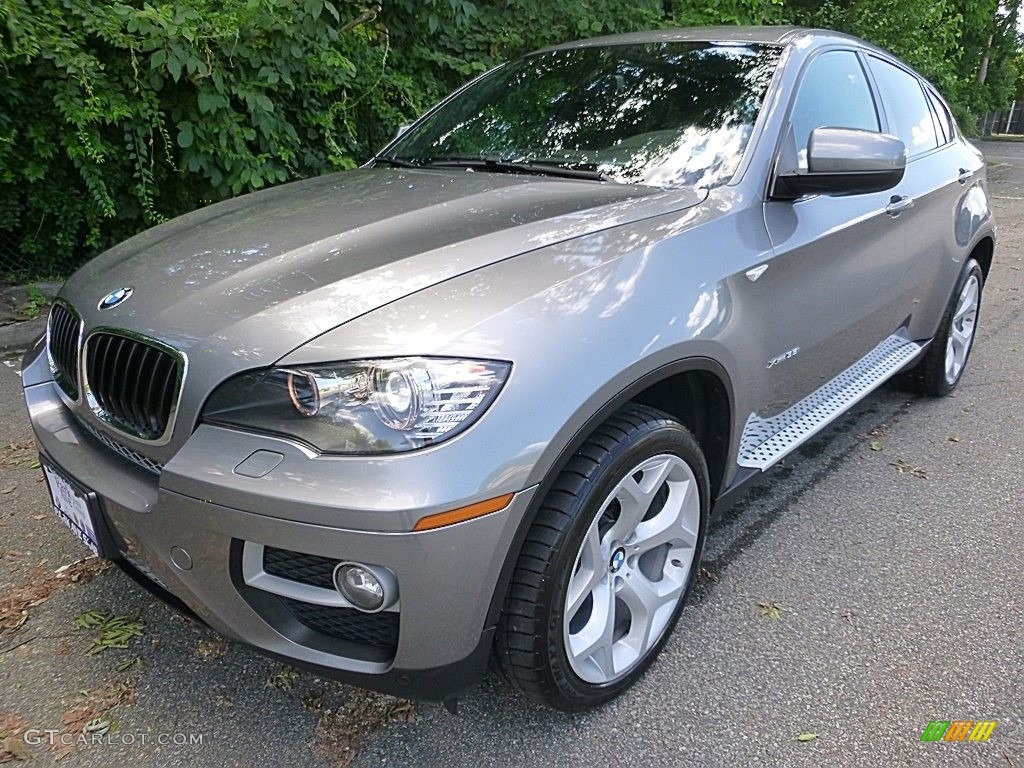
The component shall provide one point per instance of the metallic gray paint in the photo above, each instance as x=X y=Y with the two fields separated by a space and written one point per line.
x=585 y=287
x=847 y=150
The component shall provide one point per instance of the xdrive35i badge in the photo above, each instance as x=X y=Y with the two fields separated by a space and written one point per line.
x=784 y=357
x=115 y=298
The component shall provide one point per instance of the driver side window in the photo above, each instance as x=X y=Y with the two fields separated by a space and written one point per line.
x=833 y=93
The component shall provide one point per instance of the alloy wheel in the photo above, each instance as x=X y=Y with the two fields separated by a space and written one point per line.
x=962 y=328
x=632 y=569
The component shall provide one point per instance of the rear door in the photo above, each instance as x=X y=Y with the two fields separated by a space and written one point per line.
x=938 y=173
x=832 y=290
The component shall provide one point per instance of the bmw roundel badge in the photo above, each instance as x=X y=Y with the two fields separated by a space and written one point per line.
x=115 y=298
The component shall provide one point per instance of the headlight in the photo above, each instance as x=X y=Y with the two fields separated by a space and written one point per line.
x=365 y=406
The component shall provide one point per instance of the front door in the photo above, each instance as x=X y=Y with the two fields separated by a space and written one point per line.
x=835 y=286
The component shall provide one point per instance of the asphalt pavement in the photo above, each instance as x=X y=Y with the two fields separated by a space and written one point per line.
x=868 y=585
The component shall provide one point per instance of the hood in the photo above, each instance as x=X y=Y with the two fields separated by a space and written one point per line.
x=255 y=277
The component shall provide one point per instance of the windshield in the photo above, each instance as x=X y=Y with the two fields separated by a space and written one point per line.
x=666 y=114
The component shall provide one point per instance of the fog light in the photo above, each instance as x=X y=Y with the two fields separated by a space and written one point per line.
x=360 y=586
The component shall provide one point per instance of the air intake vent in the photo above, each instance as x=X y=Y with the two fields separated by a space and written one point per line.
x=376 y=630
x=63 y=338
x=132 y=384
x=308 y=569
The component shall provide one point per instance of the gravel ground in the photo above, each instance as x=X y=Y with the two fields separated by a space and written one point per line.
x=899 y=598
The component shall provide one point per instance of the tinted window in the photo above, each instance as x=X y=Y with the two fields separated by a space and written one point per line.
x=668 y=114
x=833 y=93
x=942 y=117
x=909 y=115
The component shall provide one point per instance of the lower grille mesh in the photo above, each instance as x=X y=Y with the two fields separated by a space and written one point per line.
x=314 y=570
x=370 y=636
x=125 y=452
x=377 y=630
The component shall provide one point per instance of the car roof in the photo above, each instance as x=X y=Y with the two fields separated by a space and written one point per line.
x=777 y=35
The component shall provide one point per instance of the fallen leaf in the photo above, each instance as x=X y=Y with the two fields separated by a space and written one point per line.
x=89 y=714
x=97 y=725
x=876 y=445
x=14 y=603
x=74 y=715
x=8 y=489
x=128 y=663
x=16 y=748
x=954 y=438
x=769 y=610
x=807 y=737
x=906 y=468
x=340 y=732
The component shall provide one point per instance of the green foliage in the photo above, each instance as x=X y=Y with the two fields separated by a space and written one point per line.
x=35 y=302
x=730 y=12
x=110 y=631
x=117 y=115
x=944 y=40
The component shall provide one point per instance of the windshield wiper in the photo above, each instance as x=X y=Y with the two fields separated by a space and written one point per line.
x=397 y=162
x=509 y=166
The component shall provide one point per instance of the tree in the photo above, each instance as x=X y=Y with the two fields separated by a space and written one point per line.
x=116 y=115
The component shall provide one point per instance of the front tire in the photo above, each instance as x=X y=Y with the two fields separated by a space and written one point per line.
x=607 y=564
x=941 y=368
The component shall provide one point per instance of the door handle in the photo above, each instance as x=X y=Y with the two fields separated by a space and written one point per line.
x=965 y=176
x=898 y=205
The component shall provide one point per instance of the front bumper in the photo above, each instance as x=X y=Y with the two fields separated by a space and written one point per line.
x=446 y=577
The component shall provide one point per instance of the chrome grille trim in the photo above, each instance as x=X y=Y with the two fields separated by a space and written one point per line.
x=133 y=383
x=63 y=348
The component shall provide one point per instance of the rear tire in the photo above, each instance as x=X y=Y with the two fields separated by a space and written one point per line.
x=940 y=370
x=608 y=563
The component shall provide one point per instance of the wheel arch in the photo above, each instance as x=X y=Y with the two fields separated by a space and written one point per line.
x=671 y=388
x=983 y=252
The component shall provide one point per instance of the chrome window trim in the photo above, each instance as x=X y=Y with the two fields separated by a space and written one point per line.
x=126 y=429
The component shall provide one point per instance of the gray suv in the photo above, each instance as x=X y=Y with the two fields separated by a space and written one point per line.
x=478 y=398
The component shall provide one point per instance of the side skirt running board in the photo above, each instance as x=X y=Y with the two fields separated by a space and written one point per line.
x=765 y=441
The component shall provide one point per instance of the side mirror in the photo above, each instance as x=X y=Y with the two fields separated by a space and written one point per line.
x=845 y=161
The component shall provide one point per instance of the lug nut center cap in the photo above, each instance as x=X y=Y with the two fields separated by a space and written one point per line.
x=617 y=561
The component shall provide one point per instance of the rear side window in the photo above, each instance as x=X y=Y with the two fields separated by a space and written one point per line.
x=910 y=117
x=833 y=93
x=942 y=117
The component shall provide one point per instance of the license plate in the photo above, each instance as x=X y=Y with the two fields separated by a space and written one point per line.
x=72 y=507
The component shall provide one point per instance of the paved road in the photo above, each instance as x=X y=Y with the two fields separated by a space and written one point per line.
x=1006 y=167
x=901 y=600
